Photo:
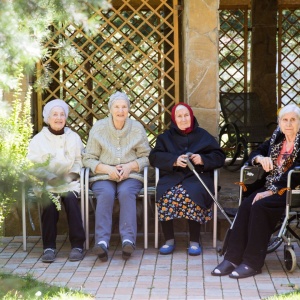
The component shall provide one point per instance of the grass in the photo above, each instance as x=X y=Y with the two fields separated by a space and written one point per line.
x=295 y=295
x=13 y=287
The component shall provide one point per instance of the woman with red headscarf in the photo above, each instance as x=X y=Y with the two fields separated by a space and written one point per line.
x=179 y=193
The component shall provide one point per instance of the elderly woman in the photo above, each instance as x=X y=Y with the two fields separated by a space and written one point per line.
x=179 y=193
x=56 y=154
x=117 y=152
x=259 y=212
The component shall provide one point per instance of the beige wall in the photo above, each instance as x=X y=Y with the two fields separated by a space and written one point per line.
x=8 y=95
x=200 y=54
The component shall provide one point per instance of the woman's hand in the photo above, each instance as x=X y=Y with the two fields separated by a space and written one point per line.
x=113 y=173
x=118 y=172
x=181 y=161
x=196 y=159
x=124 y=171
x=266 y=163
x=71 y=177
x=262 y=195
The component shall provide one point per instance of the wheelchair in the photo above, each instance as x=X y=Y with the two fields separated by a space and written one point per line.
x=244 y=127
x=286 y=229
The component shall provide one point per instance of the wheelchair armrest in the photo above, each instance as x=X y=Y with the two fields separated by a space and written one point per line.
x=297 y=168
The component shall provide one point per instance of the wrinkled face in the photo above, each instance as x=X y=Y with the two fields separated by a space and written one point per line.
x=289 y=124
x=119 y=110
x=57 y=118
x=183 y=118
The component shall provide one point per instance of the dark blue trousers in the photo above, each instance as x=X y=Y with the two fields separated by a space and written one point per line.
x=50 y=217
x=253 y=227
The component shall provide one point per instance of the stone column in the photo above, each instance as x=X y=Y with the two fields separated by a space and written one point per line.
x=200 y=54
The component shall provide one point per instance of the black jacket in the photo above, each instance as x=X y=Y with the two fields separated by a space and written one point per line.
x=265 y=150
x=173 y=143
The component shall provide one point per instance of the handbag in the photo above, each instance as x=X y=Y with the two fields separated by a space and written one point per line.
x=254 y=179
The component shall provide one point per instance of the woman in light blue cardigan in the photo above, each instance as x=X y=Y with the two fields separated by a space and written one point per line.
x=116 y=153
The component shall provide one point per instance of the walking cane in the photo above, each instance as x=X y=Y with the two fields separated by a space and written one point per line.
x=225 y=242
x=192 y=168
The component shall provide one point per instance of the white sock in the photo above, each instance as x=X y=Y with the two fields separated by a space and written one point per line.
x=170 y=242
x=194 y=244
x=79 y=249
x=103 y=243
x=126 y=240
x=217 y=271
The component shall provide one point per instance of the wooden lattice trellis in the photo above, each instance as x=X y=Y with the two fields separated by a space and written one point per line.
x=135 y=51
x=233 y=49
x=233 y=45
x=289 y=57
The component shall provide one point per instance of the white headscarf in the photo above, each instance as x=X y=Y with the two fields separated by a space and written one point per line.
x=118 y=96
x=51 y=104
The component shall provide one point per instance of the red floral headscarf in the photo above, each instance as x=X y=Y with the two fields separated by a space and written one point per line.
x=189 y=129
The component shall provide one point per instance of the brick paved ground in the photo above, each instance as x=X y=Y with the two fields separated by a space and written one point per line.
x=147 y=275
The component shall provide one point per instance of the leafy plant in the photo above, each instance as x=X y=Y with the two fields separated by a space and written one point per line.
x=13 y=287
x=15 y=134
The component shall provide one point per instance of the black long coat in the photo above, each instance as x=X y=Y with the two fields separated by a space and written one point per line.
x=265 y=150
x=173 y=143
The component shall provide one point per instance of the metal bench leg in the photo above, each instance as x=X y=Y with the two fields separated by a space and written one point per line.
x=215 y=216
x=146 y=208
x=24 y=218
x=87 y=200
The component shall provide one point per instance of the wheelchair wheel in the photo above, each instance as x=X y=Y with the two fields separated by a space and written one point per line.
x=290 y=260
x=234 y=146
x=275 y=241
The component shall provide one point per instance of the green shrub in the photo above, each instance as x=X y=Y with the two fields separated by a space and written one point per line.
x=15 y=134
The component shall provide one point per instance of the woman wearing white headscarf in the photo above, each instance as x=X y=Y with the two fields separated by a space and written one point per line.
x=56 y=154
x=260 y=212
x=117 y=152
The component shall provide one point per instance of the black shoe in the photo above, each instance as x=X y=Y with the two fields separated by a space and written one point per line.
x=243 y=271
x=224 y=268
x=76 y=254
x=102 y=252
x=127 y=249
x=49 y=255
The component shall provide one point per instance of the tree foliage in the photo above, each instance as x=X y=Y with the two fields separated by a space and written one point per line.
x=25 y=28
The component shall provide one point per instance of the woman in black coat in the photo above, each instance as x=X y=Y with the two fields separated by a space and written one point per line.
x=260 y=212
x=179 y=193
